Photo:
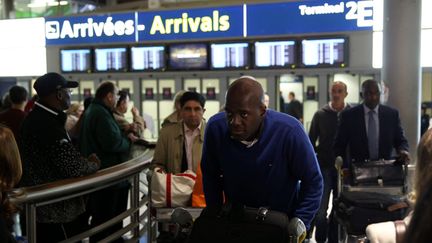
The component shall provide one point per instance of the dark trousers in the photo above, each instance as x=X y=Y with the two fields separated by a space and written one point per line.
x=55 y=232
x=325 y=227
x=105 y=205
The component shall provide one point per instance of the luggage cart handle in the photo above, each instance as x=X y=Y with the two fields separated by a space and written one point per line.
x=297 y=230
x=338 y=165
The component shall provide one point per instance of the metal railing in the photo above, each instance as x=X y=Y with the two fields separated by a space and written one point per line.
x=32 y=197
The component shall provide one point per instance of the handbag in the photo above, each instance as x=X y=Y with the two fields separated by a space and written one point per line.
x=381 y=172
x=198 y=199
x=172 y=190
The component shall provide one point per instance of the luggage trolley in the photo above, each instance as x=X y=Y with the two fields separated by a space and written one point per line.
x=181 y=218
x=384 y=182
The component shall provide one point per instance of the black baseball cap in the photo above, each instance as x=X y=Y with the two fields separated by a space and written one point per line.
x=50 y=82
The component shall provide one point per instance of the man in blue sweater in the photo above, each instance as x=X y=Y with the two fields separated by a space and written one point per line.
x=257 y=157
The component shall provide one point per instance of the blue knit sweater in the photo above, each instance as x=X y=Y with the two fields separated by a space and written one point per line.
x=266 y=174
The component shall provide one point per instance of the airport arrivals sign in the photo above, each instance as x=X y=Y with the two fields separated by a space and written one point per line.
x=237 y=21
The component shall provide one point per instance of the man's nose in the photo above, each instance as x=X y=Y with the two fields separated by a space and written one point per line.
x=235 y=120
x=193 y=112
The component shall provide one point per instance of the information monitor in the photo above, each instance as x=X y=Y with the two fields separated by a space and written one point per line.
x=75 y=60
x=230 y=55
x=324 y=52
x=111 y=59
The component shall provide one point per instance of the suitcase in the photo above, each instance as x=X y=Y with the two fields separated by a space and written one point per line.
x=355 y=210
x=239 y=224
x=380 y=173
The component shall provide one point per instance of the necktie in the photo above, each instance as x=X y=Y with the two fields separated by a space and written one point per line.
x=372 y=137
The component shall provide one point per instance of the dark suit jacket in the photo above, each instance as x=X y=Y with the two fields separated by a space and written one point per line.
x=351 y=133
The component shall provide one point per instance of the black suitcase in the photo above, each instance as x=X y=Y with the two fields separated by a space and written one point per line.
x=356 y=210
x=240 y=224
x=381 y=172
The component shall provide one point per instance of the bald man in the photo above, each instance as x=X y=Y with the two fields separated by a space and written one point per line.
x=257 y=157
x=323 y=130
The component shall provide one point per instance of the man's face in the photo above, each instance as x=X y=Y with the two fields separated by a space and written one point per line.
x=192 y=113
x=244 y=116
x=338 y=93
x=371 y=94
x=266 y=100
x=64 y=95
x=113 y=98
x=290 y=97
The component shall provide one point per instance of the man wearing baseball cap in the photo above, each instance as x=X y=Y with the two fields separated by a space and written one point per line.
x=53 y=85
x=48 y=155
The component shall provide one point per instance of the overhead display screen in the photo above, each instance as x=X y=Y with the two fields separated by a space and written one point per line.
x=75 y=60
x=323 y=52
x=230 y=55
x=274 y=53
x=188 y=56
x=148 y=58
x=111 y=59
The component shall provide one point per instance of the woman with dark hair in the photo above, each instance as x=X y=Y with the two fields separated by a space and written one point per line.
x=420 y=227
x=419 y=222
x=10 y=174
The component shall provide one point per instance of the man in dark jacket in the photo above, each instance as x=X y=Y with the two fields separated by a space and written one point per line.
x=48 y=155
x=14 y=116
x=371 y=130
x=294 y=107
x=323 y=129
x=100 y=134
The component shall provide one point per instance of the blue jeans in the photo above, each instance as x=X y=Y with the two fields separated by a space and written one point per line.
x=323 y=226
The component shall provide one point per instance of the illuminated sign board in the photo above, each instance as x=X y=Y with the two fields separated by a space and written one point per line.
x=251 y=20
x=189 y=24
x=313 y=16
x=91 y=29
x=201 y=23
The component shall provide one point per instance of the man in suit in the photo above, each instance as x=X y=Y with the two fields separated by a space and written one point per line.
x=371 y=130
x=294 y=107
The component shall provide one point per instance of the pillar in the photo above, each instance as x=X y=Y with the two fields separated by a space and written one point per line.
x=401 y=63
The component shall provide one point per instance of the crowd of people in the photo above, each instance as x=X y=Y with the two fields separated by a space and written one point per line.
x=249 y=153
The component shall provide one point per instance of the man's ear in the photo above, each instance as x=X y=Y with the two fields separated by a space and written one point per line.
x=111 y=96
x=263 y=109
x=59 y=95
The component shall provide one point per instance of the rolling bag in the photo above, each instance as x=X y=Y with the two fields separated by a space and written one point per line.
x=380 y=173
x=239 y=224
x=355 y=210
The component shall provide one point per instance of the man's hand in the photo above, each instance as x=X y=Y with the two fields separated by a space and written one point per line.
x=346 y=176
x=403 y=157
x=132 y=137
x=133 y=127
x=134 y=111
x=93 y=158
